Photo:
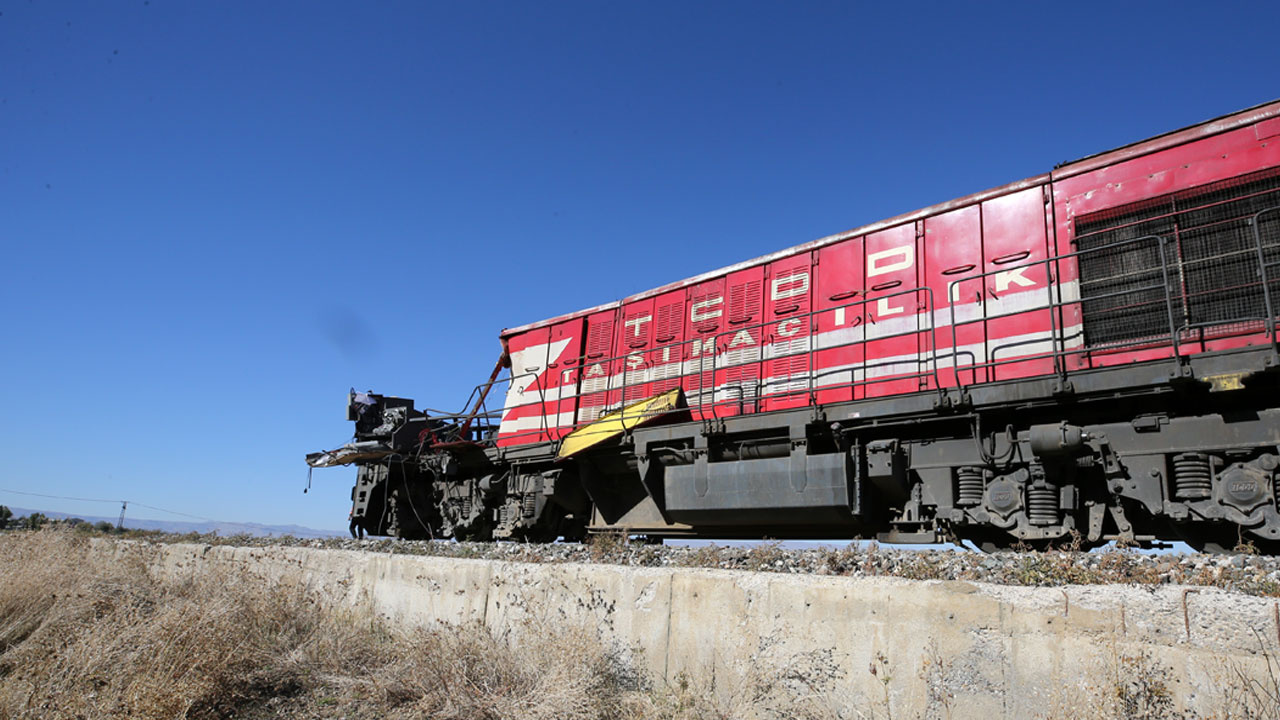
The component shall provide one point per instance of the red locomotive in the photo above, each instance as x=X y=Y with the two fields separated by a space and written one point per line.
x=1085 y=355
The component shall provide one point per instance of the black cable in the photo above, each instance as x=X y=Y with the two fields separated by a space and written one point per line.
x=61 y=497
x=408 y=496
x=991 y=458
x=131 y=502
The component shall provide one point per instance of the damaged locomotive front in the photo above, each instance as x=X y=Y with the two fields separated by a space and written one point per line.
x=421 y=475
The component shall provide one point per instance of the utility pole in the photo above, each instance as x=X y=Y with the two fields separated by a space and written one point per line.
x=124 y=505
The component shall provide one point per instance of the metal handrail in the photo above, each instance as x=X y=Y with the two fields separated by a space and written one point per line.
x=1262 y=274
x=692 y=367
x=720 y=360
x=1057 y=336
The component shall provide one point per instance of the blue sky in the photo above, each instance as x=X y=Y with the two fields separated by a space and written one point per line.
x=217 y=217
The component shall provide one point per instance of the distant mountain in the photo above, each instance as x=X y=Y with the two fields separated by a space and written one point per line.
x=221 y=528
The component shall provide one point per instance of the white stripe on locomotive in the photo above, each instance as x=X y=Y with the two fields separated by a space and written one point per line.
x=742 y=350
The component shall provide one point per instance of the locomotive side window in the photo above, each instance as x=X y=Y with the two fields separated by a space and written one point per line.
x=1210 y=260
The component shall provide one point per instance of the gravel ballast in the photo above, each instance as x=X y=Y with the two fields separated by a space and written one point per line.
x=1243 y=573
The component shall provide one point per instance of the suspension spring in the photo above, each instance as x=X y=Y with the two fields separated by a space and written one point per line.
x=1192 y=476
x=970 y=484
x=530 y=501
x=466 y=508
x=1042 y=504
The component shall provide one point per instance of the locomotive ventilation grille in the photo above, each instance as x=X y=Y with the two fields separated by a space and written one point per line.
x=1211 y=262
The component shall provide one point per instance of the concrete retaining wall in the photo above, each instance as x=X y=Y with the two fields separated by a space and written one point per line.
x=939 y=649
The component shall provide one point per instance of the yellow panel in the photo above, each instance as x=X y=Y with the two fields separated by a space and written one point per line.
x=615 y=423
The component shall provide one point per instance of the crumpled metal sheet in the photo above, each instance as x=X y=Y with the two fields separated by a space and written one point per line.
x=634 y=415
x=345 y=455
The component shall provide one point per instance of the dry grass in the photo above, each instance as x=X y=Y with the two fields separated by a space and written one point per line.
x=86 y=636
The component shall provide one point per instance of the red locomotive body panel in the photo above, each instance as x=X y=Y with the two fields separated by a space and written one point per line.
x=542 y=397
x=1166 y=173
x=788 y=333
x=983 y=289
x=704 y=322
x=838 y=293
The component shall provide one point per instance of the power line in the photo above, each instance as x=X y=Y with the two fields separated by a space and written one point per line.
x=175 y=512
x=129 y=502
x=60 y=497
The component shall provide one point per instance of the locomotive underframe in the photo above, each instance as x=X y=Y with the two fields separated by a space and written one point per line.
x=1185 y=449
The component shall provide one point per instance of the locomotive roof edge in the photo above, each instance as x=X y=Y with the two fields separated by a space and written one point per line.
x=1214 y=126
